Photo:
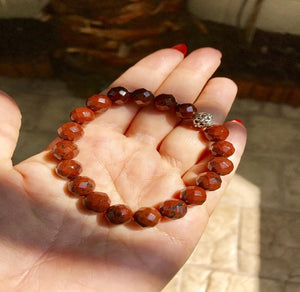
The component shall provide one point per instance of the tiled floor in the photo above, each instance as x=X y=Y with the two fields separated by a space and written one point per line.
x=252 y=242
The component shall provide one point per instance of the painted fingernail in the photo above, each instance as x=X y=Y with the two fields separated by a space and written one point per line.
x=181 y=48
x=238 y=121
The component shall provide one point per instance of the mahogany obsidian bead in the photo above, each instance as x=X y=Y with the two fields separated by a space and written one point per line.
x=119 y=95
x=142 y=97
x=216 y=133
x=68 y=168
x=97 y=202
x=173 y=209
x=70 y=131
x=147 y=217
x=193 y=195
x=82 y=115
x=210 y=181
x=222 y=148
x=165 y=102
x=65 y=150
x=220 y=165
x=81 y=185
x=185 y=111
x=118 y=214
x=99 y=103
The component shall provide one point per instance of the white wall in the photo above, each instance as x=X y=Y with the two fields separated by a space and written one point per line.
x=275 y=15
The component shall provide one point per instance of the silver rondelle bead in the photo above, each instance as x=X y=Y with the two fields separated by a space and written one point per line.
x=203 y=120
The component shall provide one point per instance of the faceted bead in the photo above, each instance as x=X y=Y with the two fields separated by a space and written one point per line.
x=68 y=168
x=118 y=214
x=185 y=110
x=220 y=165
x=82 y=115
x=65 y=150
x=193 y=195
x=81 y=185
x=119 y=95
x=216 y=133
x=210 y=181
x=97 y=202
x=70 y=131
x=99 y=103
x=173 y=209
x=142 y=97
x=165 y=102
x=147 y=217
x=222 y=148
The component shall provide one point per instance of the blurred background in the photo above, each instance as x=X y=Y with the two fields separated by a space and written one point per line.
x=53 y=54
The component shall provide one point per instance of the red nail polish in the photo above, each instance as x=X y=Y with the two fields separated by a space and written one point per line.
x=181 y=48
x=238 y=121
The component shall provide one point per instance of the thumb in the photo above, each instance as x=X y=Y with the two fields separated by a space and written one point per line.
x=10 y=123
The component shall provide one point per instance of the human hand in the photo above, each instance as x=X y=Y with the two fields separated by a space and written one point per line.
x=140 y=157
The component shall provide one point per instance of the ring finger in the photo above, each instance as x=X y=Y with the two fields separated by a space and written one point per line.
x=185 y=83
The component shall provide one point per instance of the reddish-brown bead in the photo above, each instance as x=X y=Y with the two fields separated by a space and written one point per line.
x=119 y=95
x=68 y=168
x=210 y=181
x=65 y=150
x=193 y=195
x=70 y=131
x=99 y=103
x=165 y=102
x=222 y=148
x=220 y=165
x=118 y=214
x=97 y=202
x=185 y=111
x=82 y=115
x=81 y=185
x=147 y=217
x=173 y=209
x=216 y=133
x=142 y=97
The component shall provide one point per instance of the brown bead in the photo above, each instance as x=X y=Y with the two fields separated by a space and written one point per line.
x=220 y=165
x=82 y=115
x=222 y=148
x=97 y=202
x=210 y=181
x=147 y=217
x=216 y=133
x=70 y=131
x=65 y=150
x=185 y=110
x=68 y=168
x=99 y=103
x=142 y=97
x=118 y=214
x=81 y=185
x=173 y=209
x=164 y=102
x=119 y=95
x=193 y=195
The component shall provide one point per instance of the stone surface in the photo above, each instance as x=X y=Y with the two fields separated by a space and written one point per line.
x=99 y=103
x=173 y=209
x=97 y=202
x=217 y=247
x=118 y=214
x=147 y=217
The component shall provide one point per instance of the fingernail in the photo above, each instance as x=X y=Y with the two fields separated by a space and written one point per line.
x=238 y=121
x=181 y=48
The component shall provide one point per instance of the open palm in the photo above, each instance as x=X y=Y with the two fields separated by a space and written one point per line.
x=140 y=157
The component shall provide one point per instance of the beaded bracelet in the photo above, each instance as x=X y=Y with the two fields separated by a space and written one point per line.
x=99 y=202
